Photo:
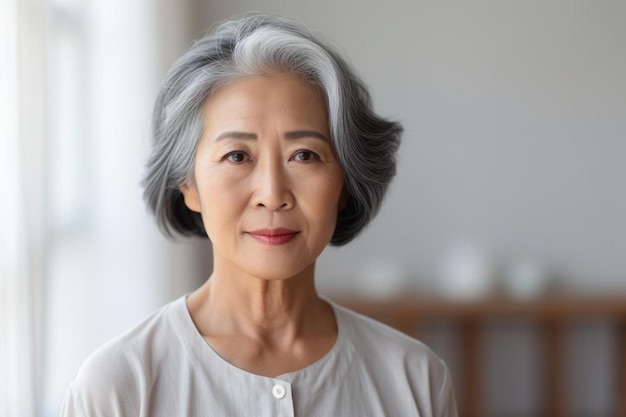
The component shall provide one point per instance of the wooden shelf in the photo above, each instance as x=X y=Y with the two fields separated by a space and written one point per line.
x=551 y=314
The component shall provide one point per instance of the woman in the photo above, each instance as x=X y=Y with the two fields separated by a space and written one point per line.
x=266 y=143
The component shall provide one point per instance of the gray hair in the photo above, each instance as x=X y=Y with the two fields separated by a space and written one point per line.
x=364 y=143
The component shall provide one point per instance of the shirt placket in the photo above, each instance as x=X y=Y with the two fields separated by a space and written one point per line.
x=281 y=391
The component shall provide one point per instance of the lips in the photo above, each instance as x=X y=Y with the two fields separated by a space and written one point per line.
x=277 y=236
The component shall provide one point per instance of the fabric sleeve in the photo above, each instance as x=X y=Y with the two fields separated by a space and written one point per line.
x=100 y=398
x=106 y=385
x=445 y=405
x=71 y=405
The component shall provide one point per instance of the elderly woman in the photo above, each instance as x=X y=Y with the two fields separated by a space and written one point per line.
x=267 y=144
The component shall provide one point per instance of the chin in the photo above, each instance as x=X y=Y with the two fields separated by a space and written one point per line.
x=274 y=272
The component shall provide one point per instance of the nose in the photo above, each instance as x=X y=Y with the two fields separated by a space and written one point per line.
x=271 y=187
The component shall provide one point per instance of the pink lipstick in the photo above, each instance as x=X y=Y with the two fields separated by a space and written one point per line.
x=278 y=236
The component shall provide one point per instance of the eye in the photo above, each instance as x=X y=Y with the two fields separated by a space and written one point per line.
x=305 y=156
x=236 y=157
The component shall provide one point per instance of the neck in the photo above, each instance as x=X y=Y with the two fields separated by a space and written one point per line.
x=276 y=311
x=265 y=326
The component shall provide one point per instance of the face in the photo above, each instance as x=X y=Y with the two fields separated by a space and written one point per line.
x=266 y=180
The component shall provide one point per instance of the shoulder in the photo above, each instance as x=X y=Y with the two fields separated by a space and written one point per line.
x=389 y=354
x=113 y=379
x=376 y=336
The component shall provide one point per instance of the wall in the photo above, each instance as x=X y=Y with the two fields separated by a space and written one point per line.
x=514 y=117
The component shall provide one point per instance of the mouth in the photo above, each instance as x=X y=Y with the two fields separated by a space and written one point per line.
x=278 y=236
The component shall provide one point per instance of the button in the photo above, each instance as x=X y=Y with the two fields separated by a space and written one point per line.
x=279 y=391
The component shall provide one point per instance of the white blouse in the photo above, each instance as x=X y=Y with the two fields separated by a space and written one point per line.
x=164 y=367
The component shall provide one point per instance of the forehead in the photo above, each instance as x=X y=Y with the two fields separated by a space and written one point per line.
x=281 y=97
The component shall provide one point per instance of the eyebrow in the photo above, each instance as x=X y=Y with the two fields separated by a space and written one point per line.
x=296 y=134
x=235 y=135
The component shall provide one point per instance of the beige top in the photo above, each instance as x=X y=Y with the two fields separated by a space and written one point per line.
x=164 y=367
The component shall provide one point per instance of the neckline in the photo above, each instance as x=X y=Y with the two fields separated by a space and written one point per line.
x=319 y=375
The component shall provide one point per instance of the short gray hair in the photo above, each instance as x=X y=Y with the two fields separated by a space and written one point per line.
x=364 y=143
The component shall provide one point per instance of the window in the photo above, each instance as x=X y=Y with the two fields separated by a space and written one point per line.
x=80 y=258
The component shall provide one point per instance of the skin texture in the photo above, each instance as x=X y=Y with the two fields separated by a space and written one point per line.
x=265 y=162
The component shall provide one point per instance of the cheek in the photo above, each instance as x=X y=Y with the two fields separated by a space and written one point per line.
x=221 y=203
x=325 y=204
x=333 y=192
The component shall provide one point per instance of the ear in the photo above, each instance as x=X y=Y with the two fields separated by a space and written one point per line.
x=190 y=195
x=343 y=199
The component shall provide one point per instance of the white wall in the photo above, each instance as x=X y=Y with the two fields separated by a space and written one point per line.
x=515 y=131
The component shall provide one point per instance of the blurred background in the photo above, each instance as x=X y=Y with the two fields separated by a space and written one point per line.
x=509 y=193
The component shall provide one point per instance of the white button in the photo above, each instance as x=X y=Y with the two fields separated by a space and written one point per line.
x=279 y=391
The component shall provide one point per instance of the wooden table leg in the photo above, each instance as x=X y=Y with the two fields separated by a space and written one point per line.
x=471 y=402
x=554 y=369
x=621 y=361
